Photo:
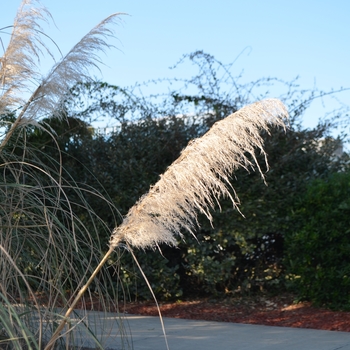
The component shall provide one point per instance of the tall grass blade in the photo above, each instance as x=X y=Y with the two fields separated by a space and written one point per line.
x=46 y=250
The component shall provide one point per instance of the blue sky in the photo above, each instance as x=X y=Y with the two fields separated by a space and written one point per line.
x=268 y=38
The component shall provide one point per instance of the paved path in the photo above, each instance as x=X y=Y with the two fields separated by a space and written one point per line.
x=146 y=333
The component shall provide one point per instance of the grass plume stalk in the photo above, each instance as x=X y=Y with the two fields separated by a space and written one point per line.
x=193 y=184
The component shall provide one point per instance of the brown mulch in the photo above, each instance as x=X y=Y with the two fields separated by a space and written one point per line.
x=271 y=311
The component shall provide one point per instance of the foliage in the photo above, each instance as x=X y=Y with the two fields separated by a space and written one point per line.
x=317 y=253
x=237 y=254
x=248 y=251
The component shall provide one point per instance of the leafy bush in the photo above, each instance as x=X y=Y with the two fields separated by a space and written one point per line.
x=318 y=251
x=250 y=249
x=161 y=274
x=238 y=254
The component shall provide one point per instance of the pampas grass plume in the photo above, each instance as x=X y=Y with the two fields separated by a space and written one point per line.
x=20 y=64
x=197 y=180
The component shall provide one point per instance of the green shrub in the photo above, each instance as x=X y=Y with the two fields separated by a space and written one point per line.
x=236 y=254
x=161 y=274
x=318 y=252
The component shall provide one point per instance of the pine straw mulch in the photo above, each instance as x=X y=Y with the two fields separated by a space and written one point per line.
x=271 y=311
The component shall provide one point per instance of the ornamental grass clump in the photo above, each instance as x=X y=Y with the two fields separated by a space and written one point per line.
x=46 y=250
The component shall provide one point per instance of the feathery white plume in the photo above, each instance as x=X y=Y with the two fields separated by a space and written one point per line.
x=72 y=68
x=199 y=177
x=19 y=65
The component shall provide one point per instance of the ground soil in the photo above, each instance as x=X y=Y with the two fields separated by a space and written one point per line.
x=271 y=311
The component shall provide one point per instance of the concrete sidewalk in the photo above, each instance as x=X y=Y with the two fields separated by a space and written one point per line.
x=142 y=332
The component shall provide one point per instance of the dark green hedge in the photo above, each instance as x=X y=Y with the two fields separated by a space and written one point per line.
x=238 y=254
x=318 y=252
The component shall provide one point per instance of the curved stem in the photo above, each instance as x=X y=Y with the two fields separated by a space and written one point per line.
x=81 y=292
